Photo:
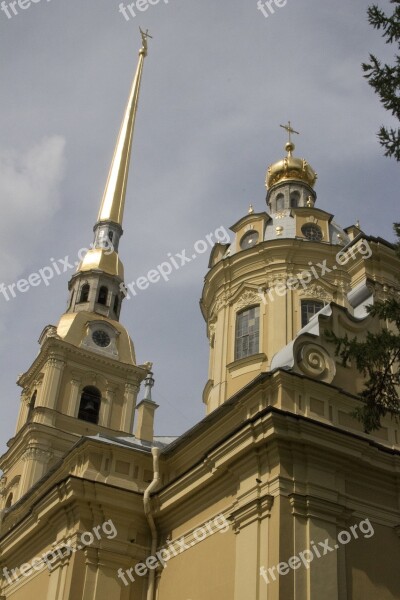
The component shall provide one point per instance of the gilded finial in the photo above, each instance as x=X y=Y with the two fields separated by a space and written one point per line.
x=289 y=147
x=251 y=209
x=145 y=35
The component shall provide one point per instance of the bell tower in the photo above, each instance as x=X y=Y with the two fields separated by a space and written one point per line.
x=85 y=380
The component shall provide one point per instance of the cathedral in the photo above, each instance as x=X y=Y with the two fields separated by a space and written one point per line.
x=277 y=493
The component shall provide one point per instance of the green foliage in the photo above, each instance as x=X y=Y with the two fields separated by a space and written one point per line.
x=378 y=359
x=384 y=78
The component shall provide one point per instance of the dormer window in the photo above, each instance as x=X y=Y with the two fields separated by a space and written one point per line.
x=280 y=202
x=249 y=239
x=294 y=199
x=312 y=232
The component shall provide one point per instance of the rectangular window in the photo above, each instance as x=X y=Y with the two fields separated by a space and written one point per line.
x=247 y=332
x=309 y=308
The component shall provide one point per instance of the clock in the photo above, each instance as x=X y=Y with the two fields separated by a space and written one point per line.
x=249 y=239
x=101 y=338
x=312 y=232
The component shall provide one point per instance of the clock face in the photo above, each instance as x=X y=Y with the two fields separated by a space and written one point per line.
x=249 y=239
x=101 y=338
x=312 y=232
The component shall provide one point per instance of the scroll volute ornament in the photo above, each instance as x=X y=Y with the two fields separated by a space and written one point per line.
x=314 y=361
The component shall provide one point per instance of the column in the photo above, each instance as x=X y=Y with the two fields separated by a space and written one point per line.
x=105 y=409
x=51 y=385
x=73 y=401
x=128 y=408
x=36 y=462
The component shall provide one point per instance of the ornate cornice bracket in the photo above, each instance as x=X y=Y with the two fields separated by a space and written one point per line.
x=255 y=510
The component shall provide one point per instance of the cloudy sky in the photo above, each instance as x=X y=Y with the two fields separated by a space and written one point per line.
x=219 y=79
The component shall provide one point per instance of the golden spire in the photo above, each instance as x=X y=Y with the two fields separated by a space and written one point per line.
x=113 y=202
x=108 y=228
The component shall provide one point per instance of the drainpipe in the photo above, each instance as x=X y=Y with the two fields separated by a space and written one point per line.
x=147 y=511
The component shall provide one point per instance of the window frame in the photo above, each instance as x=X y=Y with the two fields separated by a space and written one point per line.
x=314 y=301
x=253 y=347
x=280 y=198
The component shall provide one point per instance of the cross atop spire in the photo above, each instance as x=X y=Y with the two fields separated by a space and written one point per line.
x=290 y=130
x=145 y=35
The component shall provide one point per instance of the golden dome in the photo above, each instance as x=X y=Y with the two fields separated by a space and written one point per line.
x=290 y=168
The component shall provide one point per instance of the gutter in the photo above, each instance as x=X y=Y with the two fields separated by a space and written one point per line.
x=150 y=519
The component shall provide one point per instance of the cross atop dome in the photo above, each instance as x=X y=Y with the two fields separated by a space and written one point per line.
x=289 y=147
x=290 y=168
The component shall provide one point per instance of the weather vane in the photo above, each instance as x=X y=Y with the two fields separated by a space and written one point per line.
x=145 y=35
x=290 y=130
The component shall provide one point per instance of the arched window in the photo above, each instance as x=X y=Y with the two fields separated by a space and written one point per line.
x=85 y=289
x=294 y=199
x=116 y=305
x=280 y=202
x=247 y=332
x=9 y=501
x=103 y=295
x=31 y=407
x=309 y=308
x=89 y=407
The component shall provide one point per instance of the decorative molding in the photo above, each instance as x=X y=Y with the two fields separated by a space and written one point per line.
x=76 y=354
x=55 y=361
x=253 y=359
x=282 y=214
x=247 y=298
x=131 y=388
x=219 y=303
x=5 y=488
x=211 y=333
x=310 y=507
x=34 y=453
x=25 y=397
x=344 y=286
x=316 y=291
x=255 y=510
x=384 y=292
